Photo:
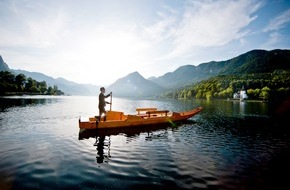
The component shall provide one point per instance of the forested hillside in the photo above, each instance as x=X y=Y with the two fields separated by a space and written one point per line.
x=52 y=84
x=259 y=86
x=258 y=61
x=264 y=74
x=20 y=84
x=255 y=61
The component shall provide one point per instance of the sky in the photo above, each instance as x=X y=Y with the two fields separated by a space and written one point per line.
x=100 y=41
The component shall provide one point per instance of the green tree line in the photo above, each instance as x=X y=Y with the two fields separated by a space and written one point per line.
x=259 y=86
x=20 y=84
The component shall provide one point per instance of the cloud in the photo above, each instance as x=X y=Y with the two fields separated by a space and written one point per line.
x=274 y=27
x=164 y=26
x=48 y=31
x=212 y=24
x=88 y=39
x=36 y=26
x=274 y=38
x=278 y=22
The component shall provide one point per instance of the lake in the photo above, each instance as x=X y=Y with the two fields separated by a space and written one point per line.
x=229 y=145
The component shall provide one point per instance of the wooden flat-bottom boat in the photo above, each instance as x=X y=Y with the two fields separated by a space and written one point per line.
x=144 y=116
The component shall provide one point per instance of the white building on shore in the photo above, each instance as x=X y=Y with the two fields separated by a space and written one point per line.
x=242 y=94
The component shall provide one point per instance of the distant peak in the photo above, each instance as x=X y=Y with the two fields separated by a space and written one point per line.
x=1 y=59
x=3 y=65
x=134 y=74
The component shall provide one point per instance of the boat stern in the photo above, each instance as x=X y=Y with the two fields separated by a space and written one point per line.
x=87 y=123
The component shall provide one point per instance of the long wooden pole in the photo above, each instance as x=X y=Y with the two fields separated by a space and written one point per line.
x=111 y=101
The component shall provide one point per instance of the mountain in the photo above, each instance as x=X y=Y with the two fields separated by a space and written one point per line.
x=255 y=61
x=135 y=85
x=184 y=75
x=68 y=87
x=258 y=61
x=3 y=65
x=188 y=74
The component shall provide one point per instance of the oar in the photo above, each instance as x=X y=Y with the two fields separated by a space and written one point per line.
x=111 y=102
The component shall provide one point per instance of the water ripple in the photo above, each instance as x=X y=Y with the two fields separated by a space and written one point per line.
x=223 y=147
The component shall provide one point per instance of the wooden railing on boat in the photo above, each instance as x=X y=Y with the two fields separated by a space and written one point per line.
x=144 y=109
x=157 y=112
x=148 y=112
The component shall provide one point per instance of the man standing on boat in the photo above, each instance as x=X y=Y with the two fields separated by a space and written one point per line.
x=102 y=102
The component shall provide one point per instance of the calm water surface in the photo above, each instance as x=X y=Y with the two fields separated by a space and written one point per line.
x=229 y=145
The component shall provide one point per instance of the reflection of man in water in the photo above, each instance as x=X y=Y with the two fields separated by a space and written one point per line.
x=100 y=149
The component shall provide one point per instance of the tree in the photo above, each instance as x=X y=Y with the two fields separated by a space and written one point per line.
x=7 y=77
x=208 y=95
x=30 y=84
x=265 y=93
x=50 y=90
x=7 y=80
x=189 y=94
x=199 y=94
x=42 y=86
x=10 y=83
x=20 y=81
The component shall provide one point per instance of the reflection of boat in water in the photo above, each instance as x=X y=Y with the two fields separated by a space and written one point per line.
x=144 y=116
x=103 y=137
x=129 y=131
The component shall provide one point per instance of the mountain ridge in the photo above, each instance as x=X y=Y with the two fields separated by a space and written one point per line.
x=69 y=87
x=3 y=65
x=252 y=61
x=135 y=85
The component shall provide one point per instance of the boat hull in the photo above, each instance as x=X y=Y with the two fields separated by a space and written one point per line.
x=119 y=120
